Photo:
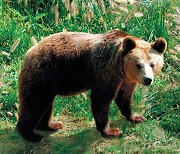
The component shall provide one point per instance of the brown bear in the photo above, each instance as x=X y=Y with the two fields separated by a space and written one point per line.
x=69 y=63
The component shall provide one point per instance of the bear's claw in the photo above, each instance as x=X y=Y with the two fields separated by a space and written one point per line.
x=136 y=118
x=56 y=125
x=108 y=131
x=112 y=132
x=52 y=126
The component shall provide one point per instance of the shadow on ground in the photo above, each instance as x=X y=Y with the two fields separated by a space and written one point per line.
x=77 y=143
x=78 y=140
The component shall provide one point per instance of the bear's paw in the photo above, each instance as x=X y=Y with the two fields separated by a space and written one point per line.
x=108 y=131
x=56 y=125
x=136 y=118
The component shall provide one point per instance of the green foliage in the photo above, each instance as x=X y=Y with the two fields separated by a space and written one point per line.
x=165 y=108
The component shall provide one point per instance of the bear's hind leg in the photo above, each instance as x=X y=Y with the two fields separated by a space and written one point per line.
x=46 y=122
x=26 y=131
x=30 y=113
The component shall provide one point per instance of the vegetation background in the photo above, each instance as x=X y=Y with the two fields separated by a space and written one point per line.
x=23 y=23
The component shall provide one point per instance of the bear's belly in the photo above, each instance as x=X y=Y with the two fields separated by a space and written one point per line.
x=72 y=82
x=72 y=93
x=72 y=88
x=72 y=77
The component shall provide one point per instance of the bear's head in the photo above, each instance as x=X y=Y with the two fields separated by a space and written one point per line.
x=142 y=60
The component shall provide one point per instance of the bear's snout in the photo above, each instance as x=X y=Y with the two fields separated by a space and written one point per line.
x=147 y=81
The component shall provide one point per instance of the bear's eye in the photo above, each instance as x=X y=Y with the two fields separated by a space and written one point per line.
x=152 y=65
x=138 y=66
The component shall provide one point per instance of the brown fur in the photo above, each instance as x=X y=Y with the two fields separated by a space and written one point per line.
x=69 y=63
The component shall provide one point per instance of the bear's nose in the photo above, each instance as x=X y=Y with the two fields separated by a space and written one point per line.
x=147 y=81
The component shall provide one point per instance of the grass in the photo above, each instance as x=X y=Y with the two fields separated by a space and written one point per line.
x=148 y=19
x=148 y=137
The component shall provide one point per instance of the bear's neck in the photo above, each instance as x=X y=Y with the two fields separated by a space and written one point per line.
x=106 y=60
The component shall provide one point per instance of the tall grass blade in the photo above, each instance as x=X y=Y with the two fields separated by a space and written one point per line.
x=15 y=44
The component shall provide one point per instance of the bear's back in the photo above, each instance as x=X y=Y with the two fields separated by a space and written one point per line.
x=66 y=44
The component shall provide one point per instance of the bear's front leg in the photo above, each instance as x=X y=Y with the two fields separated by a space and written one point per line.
x=100 y=103
x=124 y=101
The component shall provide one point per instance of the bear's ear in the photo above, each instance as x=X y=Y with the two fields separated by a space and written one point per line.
x=128 y=44
x=159 y=45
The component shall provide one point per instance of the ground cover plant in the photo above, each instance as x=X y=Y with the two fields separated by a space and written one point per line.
x=23 y=23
